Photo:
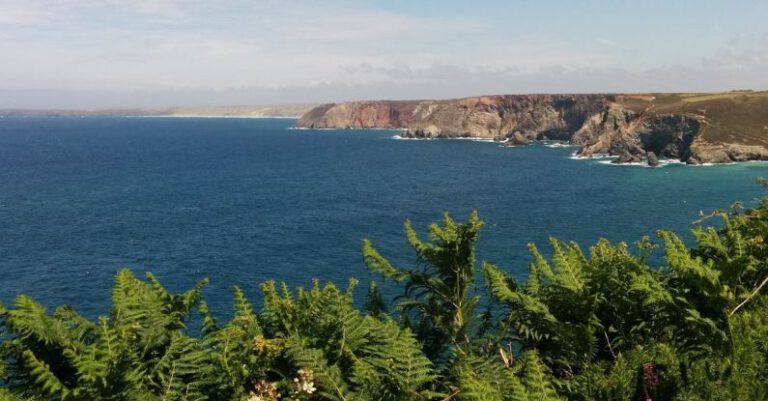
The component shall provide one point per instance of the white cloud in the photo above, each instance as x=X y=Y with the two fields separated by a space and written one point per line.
x=741 y=53
x=24 y=14
x=289 y=51
x=606 y=41
x=263 y=45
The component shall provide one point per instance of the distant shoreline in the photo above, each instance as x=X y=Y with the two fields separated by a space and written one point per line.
x=148 y=116
x=288 y=111
x=213 y=116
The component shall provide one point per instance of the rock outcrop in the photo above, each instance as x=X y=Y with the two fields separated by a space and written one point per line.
x=517 y=139
x=622 y=132
x=652 y=159
x=707 y=152
x=633 y=128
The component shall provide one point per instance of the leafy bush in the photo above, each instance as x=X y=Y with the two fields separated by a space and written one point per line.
x=597 y=325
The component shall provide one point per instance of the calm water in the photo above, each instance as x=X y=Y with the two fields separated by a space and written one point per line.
x=243 y=201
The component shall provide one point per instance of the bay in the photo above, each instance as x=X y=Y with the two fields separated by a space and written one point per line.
x=241 y=201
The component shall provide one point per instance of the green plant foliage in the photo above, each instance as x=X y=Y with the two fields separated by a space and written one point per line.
x=139 y=352
x=353 y=356
x=438 y=301
x=488 y=379
x=600 y=324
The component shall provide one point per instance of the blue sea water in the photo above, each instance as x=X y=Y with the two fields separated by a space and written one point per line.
x=241 y=201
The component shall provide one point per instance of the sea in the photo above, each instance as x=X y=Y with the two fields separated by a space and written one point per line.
x=243 y=201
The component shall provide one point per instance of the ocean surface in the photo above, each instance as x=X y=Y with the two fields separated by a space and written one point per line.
x=241 y=201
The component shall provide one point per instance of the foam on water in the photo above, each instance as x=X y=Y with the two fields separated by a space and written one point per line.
x=292 y=128
x=558 y=144
x=405 y=138
x=596 y=156
x=470 y=139
x=665 y=163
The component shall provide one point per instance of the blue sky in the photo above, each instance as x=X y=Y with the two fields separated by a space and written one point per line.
x=132 y=53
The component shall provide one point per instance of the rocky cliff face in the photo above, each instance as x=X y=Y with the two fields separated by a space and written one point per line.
x=497 y=117
x=373 y=114
x=623 y=133
x=629 y=127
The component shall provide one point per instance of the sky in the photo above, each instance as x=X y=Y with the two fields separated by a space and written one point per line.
x=152 y=53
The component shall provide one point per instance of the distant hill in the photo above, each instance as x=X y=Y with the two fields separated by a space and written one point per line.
x=290 y=110
x=692 y=127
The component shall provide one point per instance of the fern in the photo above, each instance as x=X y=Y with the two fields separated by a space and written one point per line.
x=330 y=381
x=438 y=301
x=604 y=325
x=42 y=375
x=536 y=381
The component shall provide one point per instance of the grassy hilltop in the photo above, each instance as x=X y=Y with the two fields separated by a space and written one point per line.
x=737 y=116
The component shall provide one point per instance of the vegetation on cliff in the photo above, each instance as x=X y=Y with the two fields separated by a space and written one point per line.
x=606 y=324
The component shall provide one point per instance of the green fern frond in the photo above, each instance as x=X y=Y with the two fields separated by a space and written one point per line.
x=378 y=264
x=48 y=382
x=542 y=266
x=680 y=261
x=537 y=382
x=329 y=378
x=569 y=266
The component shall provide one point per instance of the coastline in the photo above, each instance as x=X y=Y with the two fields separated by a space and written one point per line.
x=213 y=116
x=144 y=116
x=600 y=158
x=696 y=128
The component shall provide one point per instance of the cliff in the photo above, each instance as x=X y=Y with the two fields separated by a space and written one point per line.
x=693 y=128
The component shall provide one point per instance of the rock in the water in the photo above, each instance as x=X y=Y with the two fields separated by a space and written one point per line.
x=518 y=139
x=653 y=161
x=626 y=157
x=692 y=161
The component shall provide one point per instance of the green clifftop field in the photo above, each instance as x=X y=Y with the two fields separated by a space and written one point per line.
x=603 y=323
x=738 y=116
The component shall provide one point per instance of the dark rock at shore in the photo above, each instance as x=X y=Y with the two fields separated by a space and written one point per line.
x=652 y=159
x=517 y=139
x=692 y=161
x=627 y=157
